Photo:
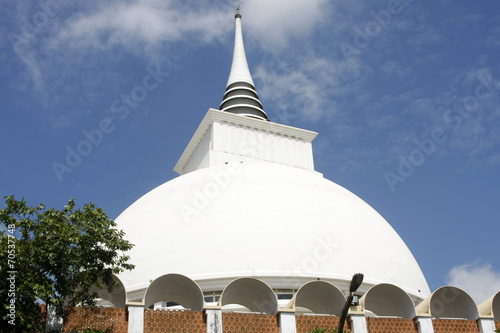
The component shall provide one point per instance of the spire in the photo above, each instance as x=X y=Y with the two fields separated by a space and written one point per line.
x=241 y=97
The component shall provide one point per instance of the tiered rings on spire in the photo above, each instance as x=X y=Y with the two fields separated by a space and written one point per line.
x=241 y=97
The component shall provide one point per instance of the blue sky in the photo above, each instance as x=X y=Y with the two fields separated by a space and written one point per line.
x=99 y=100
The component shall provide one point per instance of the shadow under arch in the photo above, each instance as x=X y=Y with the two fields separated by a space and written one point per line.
x=320 y=297
x=449 y=302
x=118 y=296
x=175 y=288
x=251 y=293
x=491 y=307
x=386 y=299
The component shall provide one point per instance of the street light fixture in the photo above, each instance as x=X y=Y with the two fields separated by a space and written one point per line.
x=356 y=281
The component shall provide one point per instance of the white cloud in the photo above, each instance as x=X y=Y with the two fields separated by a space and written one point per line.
x=143 y=23
x=493 y=39
x=274 y=22
x=147 y=28
x=479 y=279
x=66 y=63
x=393 y=68
x=149 y=23
x=425 y=36
x=302 y=89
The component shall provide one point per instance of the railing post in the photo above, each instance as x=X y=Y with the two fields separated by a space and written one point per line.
x=486 y=325
x=424 y=324
x=358 y=323
x=135 y=317
x=214 y=320
x=287 y=322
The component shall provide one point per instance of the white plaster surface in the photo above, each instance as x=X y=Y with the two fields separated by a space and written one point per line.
x=263 y=219
x=135 y=319
x=214 y=321
x=486 y=325
x=424 y=325
x=239 y=67
x=287 y=322
x=358 y=324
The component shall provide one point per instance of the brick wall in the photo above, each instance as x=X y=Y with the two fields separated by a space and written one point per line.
x=112 y=320
x=306 y=323
x=174 y=321
x=249 y=322
x=391 y=325
x=453 y=325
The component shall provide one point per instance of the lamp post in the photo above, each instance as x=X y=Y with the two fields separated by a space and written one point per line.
x=356 y=281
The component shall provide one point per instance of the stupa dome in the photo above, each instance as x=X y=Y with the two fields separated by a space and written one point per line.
x=279 y=223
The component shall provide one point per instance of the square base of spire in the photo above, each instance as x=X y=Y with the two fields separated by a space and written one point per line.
x=224 y=137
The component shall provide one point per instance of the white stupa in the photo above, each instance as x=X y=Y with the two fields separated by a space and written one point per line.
x=248 y=203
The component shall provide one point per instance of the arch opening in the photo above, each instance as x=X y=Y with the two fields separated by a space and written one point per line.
x=495 y=307
x=388 y=300
x=319 y=297
x=491 y=307
x=450 y=302
x=251 y=293
x=117 y=297
x=175 y=288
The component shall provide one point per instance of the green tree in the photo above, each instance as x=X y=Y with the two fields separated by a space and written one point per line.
x=55 y=256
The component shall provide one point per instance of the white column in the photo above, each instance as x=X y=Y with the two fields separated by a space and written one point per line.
x=287 y=322
x=135 y=319
x=53 y=321
x=214 y=320
x=486 y=325
x=424 y=324
x=358 y=323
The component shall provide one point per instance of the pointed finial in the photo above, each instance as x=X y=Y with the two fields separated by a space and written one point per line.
x=241 y=97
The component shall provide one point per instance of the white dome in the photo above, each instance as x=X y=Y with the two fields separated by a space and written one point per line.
x=282 y=224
